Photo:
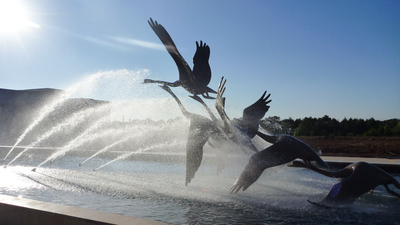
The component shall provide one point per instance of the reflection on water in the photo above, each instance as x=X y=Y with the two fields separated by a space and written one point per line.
x=156 y=190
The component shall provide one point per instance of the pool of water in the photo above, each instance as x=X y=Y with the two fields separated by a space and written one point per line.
x=156 y=190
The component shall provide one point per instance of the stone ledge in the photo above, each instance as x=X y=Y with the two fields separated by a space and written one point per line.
x=19 y=211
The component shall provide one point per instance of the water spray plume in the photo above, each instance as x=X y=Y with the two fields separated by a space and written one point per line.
x=42 y=114
x=136 y=132
x=105 y=149
x=48 y=108
x=79 y=140
x=126 y=155
x=86 y=85
x=73 y=120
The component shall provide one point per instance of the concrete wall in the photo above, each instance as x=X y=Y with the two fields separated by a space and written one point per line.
x=21 y=211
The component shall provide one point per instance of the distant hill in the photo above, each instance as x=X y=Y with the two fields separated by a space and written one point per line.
x=19 y=108
x=12 y=97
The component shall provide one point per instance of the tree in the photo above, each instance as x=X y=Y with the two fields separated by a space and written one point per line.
x=326 y=126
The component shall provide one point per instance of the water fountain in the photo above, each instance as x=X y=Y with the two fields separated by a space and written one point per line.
x=137 y=168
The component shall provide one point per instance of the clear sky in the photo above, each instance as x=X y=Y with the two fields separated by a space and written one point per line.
x=316 y=58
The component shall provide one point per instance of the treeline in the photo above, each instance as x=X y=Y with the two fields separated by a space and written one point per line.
x=327 y=126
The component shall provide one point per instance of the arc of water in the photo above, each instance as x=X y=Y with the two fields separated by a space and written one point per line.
x=72 y=120
x=126 y=155
x=82 y=139
x=86 y=84
x=79 y=140
x=46 y=110
x=105 y=149
x=130 y=131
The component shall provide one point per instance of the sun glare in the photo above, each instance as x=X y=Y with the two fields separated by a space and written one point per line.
x=13 y=17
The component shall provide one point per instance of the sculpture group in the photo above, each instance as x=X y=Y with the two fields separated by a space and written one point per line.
x=357 y=178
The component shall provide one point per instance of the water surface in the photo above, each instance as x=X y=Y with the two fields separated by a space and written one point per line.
x=156 y=190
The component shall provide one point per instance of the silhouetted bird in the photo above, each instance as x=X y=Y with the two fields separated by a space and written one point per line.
x=284 y=148
x=195 y=81
x=242 y=130
x=203 y=129
x=357 y=179
x=200 y=130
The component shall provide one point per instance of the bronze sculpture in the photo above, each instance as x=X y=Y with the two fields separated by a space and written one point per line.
x=194 y=81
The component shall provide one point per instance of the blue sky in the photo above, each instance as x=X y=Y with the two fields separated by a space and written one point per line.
x=316 y=58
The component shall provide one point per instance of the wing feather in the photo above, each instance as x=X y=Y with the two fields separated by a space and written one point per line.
x=201 y=66
x=185 y=73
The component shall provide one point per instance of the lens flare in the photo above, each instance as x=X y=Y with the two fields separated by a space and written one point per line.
x=13 y=17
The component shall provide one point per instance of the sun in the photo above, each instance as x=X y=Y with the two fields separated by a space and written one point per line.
x=13 y=17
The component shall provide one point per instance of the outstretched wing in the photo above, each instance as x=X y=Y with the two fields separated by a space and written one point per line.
x=201 y=67
x=258 y=162
x=254 y=113
x=220 y=106
x=185 y=73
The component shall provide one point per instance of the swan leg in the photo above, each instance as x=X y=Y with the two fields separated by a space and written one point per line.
x=206 y=96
